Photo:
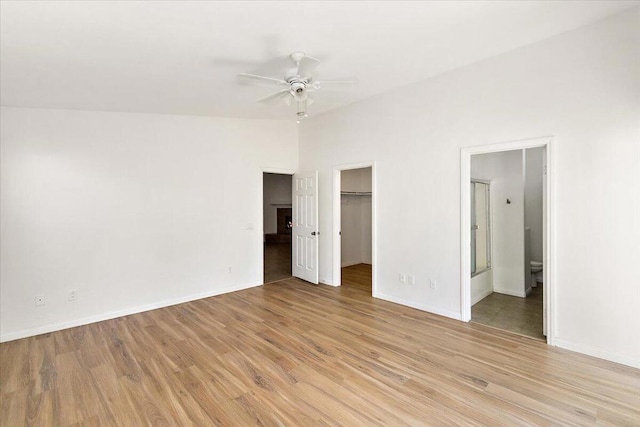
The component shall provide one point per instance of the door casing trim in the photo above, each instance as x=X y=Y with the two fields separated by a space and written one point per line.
x=264 y=170
x=549 y=252
x=335 y=232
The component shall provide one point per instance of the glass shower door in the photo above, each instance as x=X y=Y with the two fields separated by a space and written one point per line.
x=480 y=228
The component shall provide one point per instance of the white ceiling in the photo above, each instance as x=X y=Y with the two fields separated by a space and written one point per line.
x=183 y=57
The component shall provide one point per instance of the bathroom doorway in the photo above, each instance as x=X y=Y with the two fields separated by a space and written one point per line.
x=506 y=241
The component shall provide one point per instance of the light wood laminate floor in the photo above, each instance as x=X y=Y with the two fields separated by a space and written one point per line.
x=291 y=353
x=357 y=277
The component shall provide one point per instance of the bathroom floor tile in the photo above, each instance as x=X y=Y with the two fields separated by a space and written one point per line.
x=520 y=315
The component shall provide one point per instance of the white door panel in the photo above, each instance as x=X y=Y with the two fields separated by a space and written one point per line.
x=305 y=232
x=545 y=261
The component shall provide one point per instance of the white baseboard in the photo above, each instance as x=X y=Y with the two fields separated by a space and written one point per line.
x=481 y=296
x=509 y=292
x=125 y=312
x=325 y=281
x=595 y=352
x=419 y=306
x=350 y=263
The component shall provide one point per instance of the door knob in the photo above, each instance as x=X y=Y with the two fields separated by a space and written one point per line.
x=313 y=233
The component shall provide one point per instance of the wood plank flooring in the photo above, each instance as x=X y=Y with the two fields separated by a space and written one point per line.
x=277 y=261
x=357 y=277
x=295 y=354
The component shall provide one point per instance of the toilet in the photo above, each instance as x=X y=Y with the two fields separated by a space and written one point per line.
x=536 y=267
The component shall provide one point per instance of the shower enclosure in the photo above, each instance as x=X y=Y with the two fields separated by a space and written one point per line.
x=480 y=227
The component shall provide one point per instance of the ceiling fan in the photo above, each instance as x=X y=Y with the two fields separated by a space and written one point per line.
x=298 y=83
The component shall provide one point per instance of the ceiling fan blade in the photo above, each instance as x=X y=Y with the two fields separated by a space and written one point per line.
x=350 y=82
x=306 y=66
x=274 y=95
x=256 y=77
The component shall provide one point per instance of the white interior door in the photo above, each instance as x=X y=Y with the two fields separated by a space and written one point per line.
x=305 y=226
x=545 y=261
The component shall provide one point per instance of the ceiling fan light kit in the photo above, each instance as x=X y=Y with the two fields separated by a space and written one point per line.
x=298 y=82
x=302 y=111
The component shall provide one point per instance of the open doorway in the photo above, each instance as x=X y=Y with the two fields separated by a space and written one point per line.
x=277 y=225
x=506 y=280
x=355 y=228
x=509 y=228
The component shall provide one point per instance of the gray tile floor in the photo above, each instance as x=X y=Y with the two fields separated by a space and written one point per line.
x=520 y=315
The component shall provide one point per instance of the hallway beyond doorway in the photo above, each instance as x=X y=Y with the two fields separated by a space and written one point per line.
x=277 y=261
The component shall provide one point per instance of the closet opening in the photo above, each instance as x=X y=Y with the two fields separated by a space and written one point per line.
x=356 y=229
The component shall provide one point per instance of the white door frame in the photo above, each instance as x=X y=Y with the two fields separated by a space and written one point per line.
x=261 y=228
x=336 y=239
x=548 y=218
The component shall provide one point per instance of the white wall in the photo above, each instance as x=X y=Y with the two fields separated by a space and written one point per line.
x=533 y=200
x=350 y=222
x=355 y=217
x=351 y=180
x=583 y=87
x=276 y=190
x=505 y=171
x=134 y=211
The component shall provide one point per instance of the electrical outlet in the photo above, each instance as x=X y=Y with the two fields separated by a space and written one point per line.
x=403 y=278
x=433 y=284
x=39 y=300
x=73 y=295
x=411 y=279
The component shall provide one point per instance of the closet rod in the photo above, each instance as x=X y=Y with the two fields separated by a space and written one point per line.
x=356 y=193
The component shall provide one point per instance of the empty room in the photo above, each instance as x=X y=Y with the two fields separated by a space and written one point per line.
x=319 y=213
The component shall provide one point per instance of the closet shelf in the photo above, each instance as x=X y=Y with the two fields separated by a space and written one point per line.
x=355 y=193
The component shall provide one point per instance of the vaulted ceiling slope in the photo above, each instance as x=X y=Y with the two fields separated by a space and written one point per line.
x=183 y=57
